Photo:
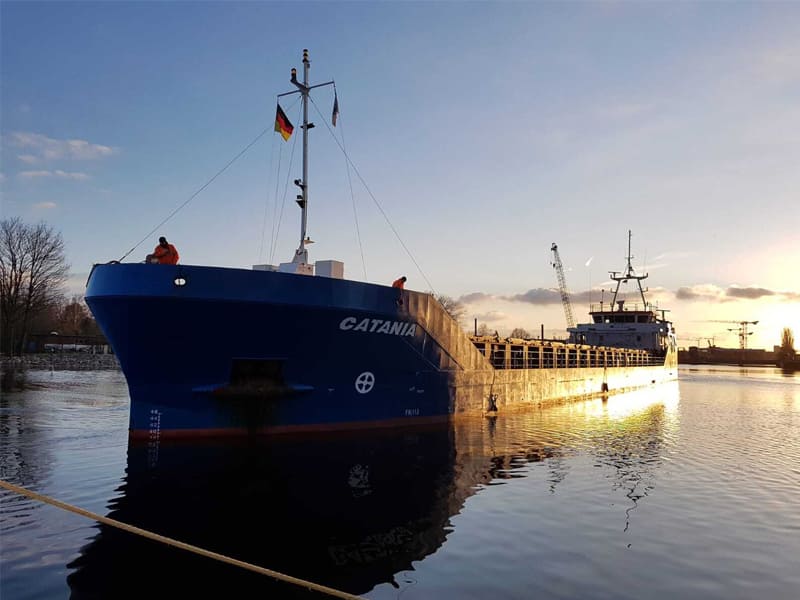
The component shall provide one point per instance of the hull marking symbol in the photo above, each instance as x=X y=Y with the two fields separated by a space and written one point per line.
x=365 y=382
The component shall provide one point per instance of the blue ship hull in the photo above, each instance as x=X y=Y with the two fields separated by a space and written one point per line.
x=209 y=350
x=218 y=351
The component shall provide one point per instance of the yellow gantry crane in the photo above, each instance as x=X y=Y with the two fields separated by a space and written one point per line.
x=562 y=286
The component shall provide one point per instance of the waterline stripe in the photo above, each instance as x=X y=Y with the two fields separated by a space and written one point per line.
x=178 y=544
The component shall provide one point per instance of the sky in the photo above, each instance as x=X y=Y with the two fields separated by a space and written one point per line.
x=471 y=137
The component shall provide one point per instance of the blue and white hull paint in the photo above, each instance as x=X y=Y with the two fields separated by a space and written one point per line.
x=221 y=351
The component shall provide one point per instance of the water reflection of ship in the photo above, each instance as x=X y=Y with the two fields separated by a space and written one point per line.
x=349 y=512
x=346 y=512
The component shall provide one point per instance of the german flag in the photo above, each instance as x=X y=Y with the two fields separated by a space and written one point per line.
x=282 y=124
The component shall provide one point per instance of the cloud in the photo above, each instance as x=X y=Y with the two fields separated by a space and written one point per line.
x=543 y=296
x=492 y=316
x=475 y=297
x=538 y=296
x=2 y=177
x=46 y=148
x=45 y=205
x=708 y=292
x=701 y=292
x=28 y=159
x=57 y=173
x=754 y=293
x=750 y=293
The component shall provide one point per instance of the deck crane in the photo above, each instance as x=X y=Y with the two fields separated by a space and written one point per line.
x=562 y=286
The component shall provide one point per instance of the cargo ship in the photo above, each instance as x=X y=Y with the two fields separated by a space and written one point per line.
x=214 y=351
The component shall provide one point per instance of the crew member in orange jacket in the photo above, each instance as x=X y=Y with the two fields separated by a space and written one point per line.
x=164 y=254
x=399 y=283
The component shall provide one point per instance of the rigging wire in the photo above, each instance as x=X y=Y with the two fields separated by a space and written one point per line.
x=192 y=197
x=352 y=197
x=275 y=205
x=375 y=200
x=266 y=204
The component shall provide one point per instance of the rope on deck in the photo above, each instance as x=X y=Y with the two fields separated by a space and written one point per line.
x=176 y=543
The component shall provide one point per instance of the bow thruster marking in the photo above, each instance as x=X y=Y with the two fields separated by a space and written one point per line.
x=365 y=382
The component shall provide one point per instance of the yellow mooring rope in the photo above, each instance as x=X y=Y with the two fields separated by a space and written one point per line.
x=177 y=544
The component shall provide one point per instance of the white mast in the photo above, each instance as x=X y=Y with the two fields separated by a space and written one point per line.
x=299 y=263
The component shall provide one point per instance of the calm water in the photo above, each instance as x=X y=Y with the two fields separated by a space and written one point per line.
x=688 y=491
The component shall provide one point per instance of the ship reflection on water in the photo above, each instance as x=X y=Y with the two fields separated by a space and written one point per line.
x=347 y=511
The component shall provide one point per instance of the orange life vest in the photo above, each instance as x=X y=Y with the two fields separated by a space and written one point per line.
x=166 y=255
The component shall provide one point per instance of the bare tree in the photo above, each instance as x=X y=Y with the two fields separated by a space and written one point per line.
x=519 y=332
x=453 y=307
x=33 y=270
x=483 y=329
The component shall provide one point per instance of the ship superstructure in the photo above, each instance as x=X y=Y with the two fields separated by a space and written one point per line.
x=622 y=324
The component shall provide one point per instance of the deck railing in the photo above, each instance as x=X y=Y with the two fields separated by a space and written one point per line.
x=627 y=307
x=506 y=354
